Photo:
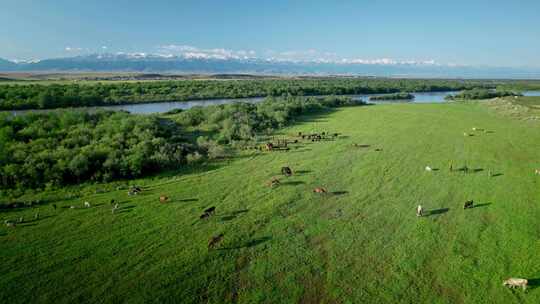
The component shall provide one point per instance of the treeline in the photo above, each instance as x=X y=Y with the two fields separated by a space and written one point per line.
x=38 y=96
x=242 y=121
x=63 y=147
x=481 y=94
x=395 y=96
x=68 y=147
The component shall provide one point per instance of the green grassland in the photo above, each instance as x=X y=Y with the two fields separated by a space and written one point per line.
x=359 y=243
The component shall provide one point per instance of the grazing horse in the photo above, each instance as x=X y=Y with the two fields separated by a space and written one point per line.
x=210 y=210
x=419 y=211
x=468 y=204
x=215 y=240
x=269 y=146
x=163 y=199
x=319 y=190
x=207 y=213
x=515 y=282
x=537 y=171
x=286 y=171
x=86 y=204
x=274 y=182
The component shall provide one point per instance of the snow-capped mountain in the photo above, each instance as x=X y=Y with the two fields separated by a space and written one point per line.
x=221 y=63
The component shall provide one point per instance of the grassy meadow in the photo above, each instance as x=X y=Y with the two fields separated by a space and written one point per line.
x=359 y=243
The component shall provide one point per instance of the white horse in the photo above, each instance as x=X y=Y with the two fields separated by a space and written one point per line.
x=419 y=210
x=515 y=282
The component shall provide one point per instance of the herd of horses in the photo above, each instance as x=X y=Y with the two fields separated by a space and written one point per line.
x=283 y=145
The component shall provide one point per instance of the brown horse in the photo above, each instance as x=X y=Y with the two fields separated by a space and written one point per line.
x=215 y=240
x=274 y=182
x=163 y=199
x=319 y=190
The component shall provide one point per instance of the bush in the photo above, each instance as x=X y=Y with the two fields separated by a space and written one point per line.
x=396 y=96
x=242 y=121
x=481 y=94
x=68 y=147
x=194 y=158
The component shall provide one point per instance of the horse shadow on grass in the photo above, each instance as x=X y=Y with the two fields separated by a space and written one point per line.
x=125 y=209
x=44 y=217
x=436 y=212
x=26 y=224
x=339 y=192
x=533 y=283
x=231 y=216
x=250 y=243
x=300 y=150
x=497 y=174
x=481 y=205
x=292 y=183
x=188 y=200
x=20 y=206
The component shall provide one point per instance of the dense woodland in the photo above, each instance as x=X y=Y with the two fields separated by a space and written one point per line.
x=40 y=96
x=62 y=147
x=395 y=96
x=481 y=94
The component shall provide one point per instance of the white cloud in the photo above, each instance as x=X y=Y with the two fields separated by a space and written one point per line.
x=188 y=51
x=299 y=56
x=72 y=49
x=312 y=55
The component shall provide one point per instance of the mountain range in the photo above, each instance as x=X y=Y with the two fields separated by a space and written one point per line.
x=178 y=64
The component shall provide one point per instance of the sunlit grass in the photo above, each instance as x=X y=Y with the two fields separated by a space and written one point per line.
x=361 y=244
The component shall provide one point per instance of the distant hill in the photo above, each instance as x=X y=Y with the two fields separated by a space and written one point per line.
x=176 y=64
x=6 y=65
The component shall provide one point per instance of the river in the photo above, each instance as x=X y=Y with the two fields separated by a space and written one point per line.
x=162 y=107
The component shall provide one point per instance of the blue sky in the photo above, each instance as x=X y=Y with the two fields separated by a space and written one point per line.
x=472 y=32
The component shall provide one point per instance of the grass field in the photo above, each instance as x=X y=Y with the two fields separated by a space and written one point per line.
x=361 y=243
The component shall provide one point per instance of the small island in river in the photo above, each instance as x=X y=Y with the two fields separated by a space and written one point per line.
x=395 y=96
